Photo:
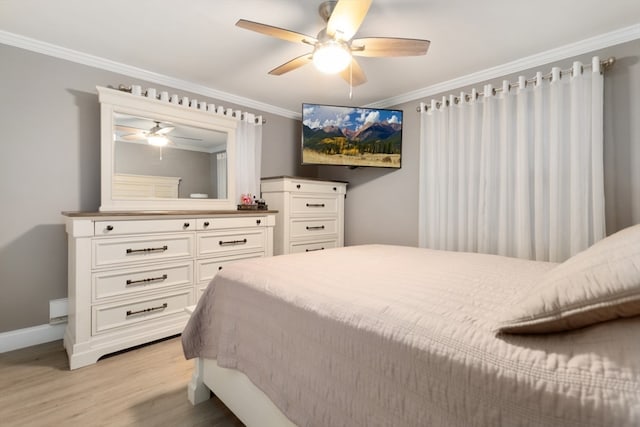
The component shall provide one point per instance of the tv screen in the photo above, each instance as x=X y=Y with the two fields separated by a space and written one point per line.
x=351 y=136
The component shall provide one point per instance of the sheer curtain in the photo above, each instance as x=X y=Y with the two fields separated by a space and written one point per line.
x=515 y=171
x=221 y=168
x=248 y=155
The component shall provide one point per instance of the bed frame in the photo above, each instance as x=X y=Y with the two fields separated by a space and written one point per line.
x=237 y=392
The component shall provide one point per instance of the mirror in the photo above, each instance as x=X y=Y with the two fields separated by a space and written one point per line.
x=158 y=155
x=166 y=159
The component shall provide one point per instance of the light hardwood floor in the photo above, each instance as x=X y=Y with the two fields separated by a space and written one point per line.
x=146 y=386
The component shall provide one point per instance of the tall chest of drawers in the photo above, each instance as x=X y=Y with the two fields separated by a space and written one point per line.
x=310 y=213
x=132 y=275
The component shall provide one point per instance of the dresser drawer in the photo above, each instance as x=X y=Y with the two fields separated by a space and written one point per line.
x=114 y=316
x=231 y=242
x=302 y=186
x=313 y=205
x=131 y=281
x=114 y=228
x=309 y=228
x=225 y=223
x=206 y=269
x=312 y=246
x=129 y=250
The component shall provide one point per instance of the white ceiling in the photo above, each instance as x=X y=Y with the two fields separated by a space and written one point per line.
x=197 y=41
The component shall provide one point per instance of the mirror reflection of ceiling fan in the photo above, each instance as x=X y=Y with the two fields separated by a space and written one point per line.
x=334 y=48
x=157 y=135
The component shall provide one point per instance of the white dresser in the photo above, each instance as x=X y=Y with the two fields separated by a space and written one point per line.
x=310 y=213
x=131 y=275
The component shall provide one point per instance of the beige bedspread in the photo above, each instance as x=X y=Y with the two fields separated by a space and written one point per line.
x=396 y=336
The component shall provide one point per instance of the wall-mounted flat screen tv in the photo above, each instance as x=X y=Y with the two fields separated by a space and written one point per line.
x=351 y=136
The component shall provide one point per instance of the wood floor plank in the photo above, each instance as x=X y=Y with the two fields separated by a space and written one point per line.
x=146 y=386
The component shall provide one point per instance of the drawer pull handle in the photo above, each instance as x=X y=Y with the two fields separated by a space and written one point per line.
x=315 y=205
x=320 y=227
x=147 y=250
x=186 y=225
x=258 y=221
x=109 y=227
x=206 y=223
x=150 y=279
x=298 y=186
x=147 y=310
x=232 y=242
x=313 y=250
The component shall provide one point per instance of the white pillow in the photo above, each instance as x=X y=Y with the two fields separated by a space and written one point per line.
x=596 y=285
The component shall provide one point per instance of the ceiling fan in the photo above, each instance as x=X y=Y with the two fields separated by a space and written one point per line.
x=157 y=135
x=154 y=136
x=334 y=46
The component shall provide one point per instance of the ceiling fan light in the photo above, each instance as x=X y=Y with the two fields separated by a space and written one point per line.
x=157 y=140
x=331 y=57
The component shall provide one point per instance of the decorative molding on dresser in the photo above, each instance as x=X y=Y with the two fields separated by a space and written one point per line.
x=131 y=274
x=310 y=213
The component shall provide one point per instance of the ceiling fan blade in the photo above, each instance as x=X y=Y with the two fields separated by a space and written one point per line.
x=129 y=129
x=162 y=131
x=389 y=46
x=353 y=74
x=133 y=137
x=186 y=137
x=346 y=18
x=292 y=65
x=280 y=33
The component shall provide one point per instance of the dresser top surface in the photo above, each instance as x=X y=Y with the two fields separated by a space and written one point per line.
x=166 y=214
x=305 y=178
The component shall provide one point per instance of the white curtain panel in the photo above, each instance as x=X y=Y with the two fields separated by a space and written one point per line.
x=517 y=171
x=221 y=168
x=248 y=155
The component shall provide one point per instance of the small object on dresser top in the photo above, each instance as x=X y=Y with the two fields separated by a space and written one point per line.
x=199 y=196
x=254 y=207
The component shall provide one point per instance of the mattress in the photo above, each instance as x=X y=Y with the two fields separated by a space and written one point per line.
x=378 y=335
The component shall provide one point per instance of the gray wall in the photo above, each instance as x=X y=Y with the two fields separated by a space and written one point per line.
x=50 y=162
x=193 y=167
x=382 y=205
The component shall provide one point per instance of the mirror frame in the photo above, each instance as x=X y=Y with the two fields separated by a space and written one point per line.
x=116 y=101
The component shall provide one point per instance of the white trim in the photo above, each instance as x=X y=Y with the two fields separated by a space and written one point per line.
x=602 y=41
x=139 y=73
x=21 y=338
x=58 y=308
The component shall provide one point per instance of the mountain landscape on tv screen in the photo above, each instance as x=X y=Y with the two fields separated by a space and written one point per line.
x=374 y=144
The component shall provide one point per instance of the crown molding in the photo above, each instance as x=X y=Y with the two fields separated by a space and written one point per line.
x=612 y=38
x=602 y=41
x=139 y=73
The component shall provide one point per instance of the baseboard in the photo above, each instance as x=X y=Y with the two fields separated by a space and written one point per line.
x=21 y=338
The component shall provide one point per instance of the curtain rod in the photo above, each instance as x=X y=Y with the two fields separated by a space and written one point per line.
x=604 y=64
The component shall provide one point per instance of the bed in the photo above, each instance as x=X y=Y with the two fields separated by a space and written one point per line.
x=379 y=335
